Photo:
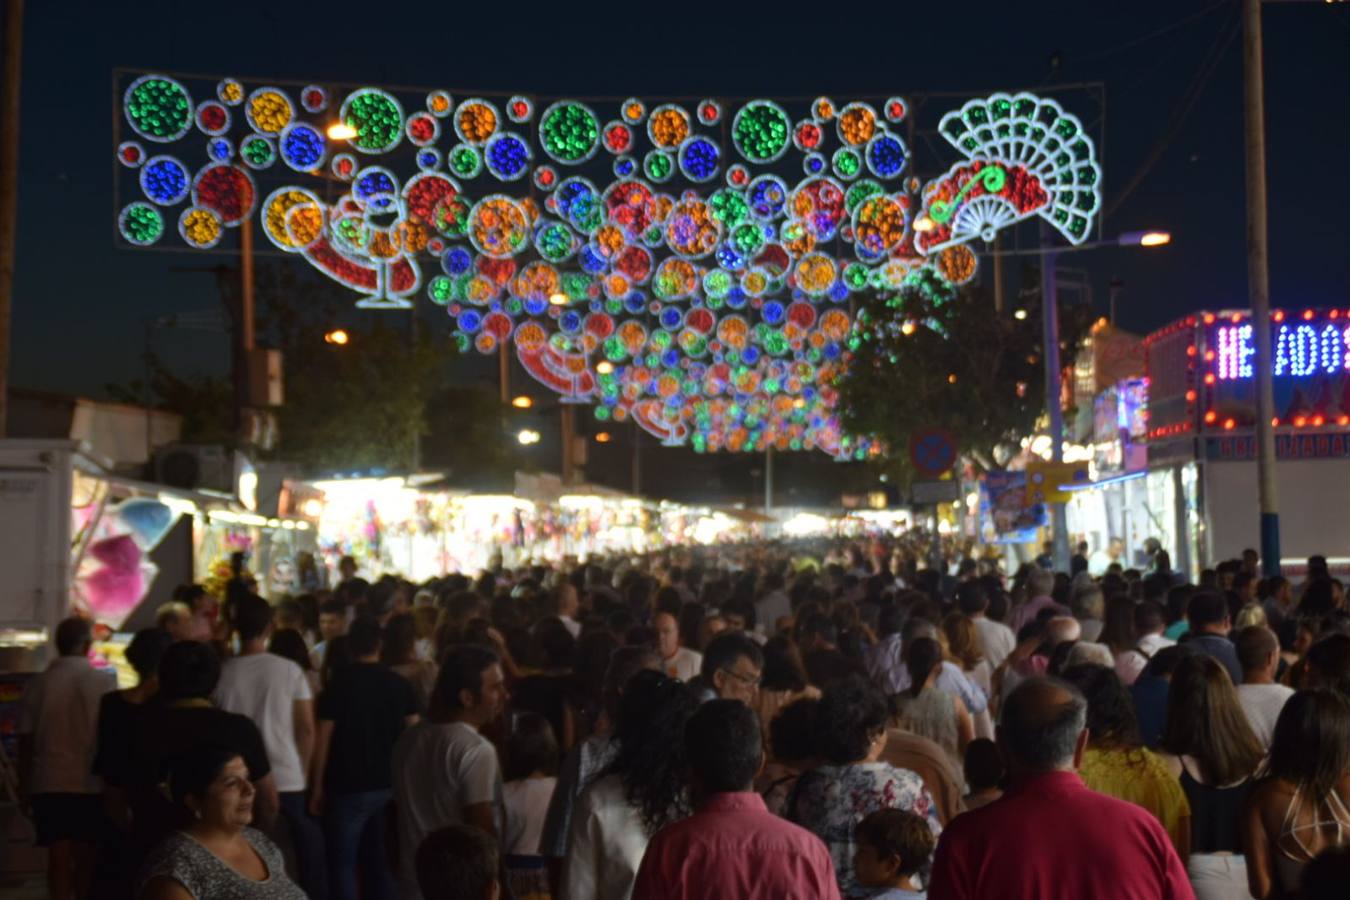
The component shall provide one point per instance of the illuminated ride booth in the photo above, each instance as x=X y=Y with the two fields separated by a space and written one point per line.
x=1202 y=418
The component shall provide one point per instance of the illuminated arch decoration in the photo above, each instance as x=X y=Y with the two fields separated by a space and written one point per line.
x=688 y=267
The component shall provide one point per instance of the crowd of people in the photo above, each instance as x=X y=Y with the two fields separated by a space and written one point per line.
x=828 y=720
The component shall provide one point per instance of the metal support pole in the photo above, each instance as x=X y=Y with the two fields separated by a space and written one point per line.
x=504 y=372
x=1050 y=320
x=999 y=305
x=244 y=327
x=637 y=460
x=567 y=428
x=9 y=184
x=768 y=481
x=1258 y=285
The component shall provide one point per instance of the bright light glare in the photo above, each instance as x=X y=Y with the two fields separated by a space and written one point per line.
x=528 y=436
x=558 y=299
x=338 y=337
x=341 y=131
x=1020 y=314
x=1145 y=238
x=603 y=438
x=604 y=367
x=522 y=402
x=923 y=223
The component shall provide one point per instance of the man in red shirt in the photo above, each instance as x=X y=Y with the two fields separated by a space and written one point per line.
x=732 y=847
x=1049 y=837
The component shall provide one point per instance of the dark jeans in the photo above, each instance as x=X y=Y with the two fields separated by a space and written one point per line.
x=354 y=826
x=307 y=838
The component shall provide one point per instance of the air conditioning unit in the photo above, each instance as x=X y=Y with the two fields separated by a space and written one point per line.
x=196 y=466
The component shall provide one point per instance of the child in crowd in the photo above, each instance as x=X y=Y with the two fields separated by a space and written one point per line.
x=893 y=845
x=984 y=773
x=458 y=863
x=530 y=773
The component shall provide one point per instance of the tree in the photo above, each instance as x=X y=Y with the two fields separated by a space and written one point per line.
x=936 y=356
x=204 y=401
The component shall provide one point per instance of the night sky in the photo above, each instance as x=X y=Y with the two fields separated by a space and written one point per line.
x=81 y=302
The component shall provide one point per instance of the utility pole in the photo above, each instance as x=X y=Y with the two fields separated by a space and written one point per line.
x=1258 y=284
x=1050 y=336
x=9 y=184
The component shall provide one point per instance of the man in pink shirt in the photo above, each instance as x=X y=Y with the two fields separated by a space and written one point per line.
x=732 y=847
x=1049 y=837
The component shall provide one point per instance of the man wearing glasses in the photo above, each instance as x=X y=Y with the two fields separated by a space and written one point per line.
x=732 y=664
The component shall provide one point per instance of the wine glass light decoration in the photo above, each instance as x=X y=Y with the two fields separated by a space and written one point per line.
x=688 y=267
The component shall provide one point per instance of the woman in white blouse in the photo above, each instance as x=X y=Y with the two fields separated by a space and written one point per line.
x=640 y=793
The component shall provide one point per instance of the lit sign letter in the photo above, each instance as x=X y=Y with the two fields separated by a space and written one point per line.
x=1282 y=350
x=1305 y=351
x=1333 y=352
x=1235 y=352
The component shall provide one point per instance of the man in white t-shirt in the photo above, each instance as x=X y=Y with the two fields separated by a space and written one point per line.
x=676 y=661
x=1149 y=623
x=445 y=771
x=57 y=731
x=275 y=694
x=1262 y=699
x=996 y=639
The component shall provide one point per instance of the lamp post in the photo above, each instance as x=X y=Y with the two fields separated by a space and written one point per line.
x=1049 y=252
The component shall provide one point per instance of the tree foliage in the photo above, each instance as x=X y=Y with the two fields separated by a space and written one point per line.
x=935 y=356
x=360 y=405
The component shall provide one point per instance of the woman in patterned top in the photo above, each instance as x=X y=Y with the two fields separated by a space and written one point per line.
x=215 y=855
x=831 y=800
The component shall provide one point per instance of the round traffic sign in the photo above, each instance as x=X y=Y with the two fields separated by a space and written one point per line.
x=932 y=451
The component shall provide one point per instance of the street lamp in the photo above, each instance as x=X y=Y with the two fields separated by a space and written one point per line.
x=522 y=402
x=337 y=336
x=1050 y=331
x=603 y=438
x=527 y=436
x=341 y=131
x=1145 y=238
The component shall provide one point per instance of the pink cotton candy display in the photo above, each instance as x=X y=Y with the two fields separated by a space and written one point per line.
x=114 y=589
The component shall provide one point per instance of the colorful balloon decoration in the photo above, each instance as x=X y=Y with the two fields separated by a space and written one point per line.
x=687 y=267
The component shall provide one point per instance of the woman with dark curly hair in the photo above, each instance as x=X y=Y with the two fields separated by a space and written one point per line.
x=830 y=800
x=1117 y=763
x=643 y=790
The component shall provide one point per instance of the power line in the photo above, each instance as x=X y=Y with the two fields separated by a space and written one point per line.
x=1180 y=112
x=1166 y=29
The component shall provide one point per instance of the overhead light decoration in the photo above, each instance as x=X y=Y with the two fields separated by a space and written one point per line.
x=655 y=259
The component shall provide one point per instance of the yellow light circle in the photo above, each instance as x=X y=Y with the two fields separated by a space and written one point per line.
x=275 y=215
x=200 y=227
x=530 y=337
x=269 y=111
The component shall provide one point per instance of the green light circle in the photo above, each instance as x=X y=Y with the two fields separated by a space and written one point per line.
x=158 y=109
x=569 y=132
x=377 y=118
x=761 y=131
